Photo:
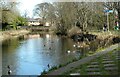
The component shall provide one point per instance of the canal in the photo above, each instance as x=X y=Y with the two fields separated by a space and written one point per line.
x=31 y=54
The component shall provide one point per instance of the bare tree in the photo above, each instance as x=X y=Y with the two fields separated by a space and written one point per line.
x=67 y=14
x=10 y=14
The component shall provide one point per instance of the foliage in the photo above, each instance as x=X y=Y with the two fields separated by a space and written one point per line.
x=11 y=17
x=115 y=6
x=45 y=11
x=44 y=72
x=65 y=15
x=21 y=21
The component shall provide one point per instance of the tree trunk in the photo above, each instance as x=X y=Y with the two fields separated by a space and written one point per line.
x=119 y=16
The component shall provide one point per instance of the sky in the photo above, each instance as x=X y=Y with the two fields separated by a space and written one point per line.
x=28 y=5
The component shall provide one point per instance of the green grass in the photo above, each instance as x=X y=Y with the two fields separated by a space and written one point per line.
x=83 y=67
x=99 y=60
x=101 y=66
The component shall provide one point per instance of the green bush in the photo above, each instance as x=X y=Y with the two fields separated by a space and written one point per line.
x=44 y=72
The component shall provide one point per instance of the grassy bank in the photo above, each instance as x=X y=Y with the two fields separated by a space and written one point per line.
x=110 y=58
x=74 y=60
x=4 y=35
x=104 y=35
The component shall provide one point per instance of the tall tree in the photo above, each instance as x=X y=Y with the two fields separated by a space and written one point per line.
x=10 y=15
x=115 y=6
x=41 y=10
x=67 y=14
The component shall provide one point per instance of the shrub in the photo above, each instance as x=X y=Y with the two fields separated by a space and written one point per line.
x=44 y=72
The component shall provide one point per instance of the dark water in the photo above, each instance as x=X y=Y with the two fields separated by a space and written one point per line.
x=30 y=56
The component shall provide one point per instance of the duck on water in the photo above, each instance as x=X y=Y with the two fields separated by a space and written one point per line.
x=9 y=70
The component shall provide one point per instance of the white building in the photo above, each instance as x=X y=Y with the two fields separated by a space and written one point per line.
x=33 y=22
x=37 y=22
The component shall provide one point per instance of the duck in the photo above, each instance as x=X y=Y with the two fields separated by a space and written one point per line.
x=74 y=45
x=52 y=42
x=78 y=46
x=9 y=72
x=50 y=48
x=68 y=51
x=48 y=66
x=8 y=66
x=74 y=51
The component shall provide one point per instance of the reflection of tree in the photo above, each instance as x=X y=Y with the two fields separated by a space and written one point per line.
x=8 y=58
x=10 y=45
x=67 y=44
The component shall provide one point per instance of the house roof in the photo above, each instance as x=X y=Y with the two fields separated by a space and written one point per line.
x=32 y=19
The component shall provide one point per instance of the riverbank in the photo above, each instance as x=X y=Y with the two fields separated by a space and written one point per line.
x=100 y=39
x=75 y=64
x=103 y=35
x=107 y=64
x=91 y=35
x=4 y=35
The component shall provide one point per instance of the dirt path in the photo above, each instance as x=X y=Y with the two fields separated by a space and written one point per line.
x=82 y=61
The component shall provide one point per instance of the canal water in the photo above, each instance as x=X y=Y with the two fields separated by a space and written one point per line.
x=31 y=55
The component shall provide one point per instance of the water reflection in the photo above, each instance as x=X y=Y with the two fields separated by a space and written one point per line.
x=32 y=55
x=47 y=35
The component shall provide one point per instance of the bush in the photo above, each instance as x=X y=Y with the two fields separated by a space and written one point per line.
x=44 y=72
x=53 y=68
x=59 y=66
